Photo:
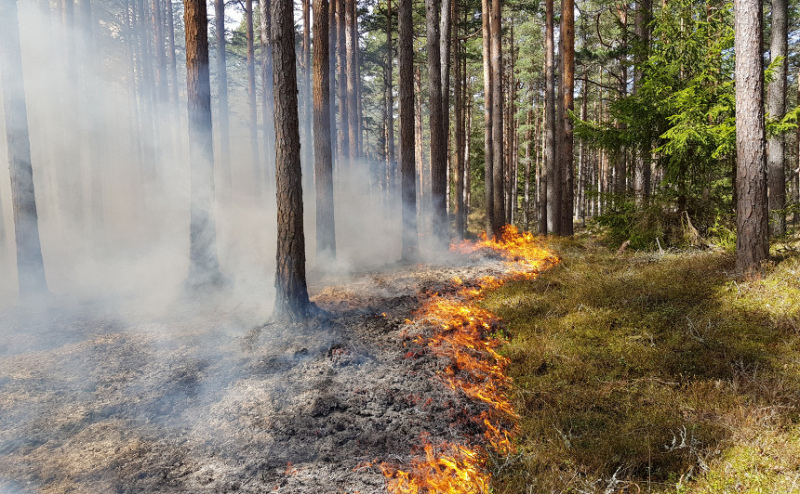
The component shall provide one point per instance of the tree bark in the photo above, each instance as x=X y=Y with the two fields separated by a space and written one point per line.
x=567 y=105
x=752 y=238
x=486 y=26
x=30 y=265
x=776 y=108
x=251 y=95
x=498 y=166
x=437 y=134
x=352 y=80
x=323 y=160
x=551 y=201
x=459 y=133
x=203 y=264
x=391 y=162
x=267 y=96
x=291 y=298
x=407 y=140
x=222 y=96
x=344 y=121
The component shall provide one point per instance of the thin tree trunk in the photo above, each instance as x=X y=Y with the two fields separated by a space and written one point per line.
x=267 y=96
x=582 y=165
x=407 y=140
x=306 y=101
x=551 y=201
x=323 y=159
x=526 y=212
x=391 y=162
x=222 y=96
x=776 y=107
x=251 y=96
x=203 y=264
x=498 y=165
x=173 y=58
x=486 y=25
x=567 y=107
x=752 y=240
x=344 y=121
x=459 y=133
x=30 y=266
x=352 y=73
x=438 y=139
x=291 y=297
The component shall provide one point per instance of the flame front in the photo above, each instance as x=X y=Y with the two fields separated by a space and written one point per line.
x=464 y=336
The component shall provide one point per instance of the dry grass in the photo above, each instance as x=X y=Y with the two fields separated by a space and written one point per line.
x=653 y=373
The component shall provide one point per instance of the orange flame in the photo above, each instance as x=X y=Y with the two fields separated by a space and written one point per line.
x=465 y=338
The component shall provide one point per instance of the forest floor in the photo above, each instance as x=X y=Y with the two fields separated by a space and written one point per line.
x=97 y=400
x=653 y=372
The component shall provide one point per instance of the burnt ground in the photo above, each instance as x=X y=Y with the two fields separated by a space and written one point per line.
x=95 y=401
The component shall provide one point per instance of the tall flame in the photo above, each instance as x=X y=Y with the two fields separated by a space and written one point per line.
x=464 y=337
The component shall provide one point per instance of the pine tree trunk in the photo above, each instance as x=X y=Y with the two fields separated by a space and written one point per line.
x=391 y=162
x=30 y=266
x=291 y=298
x=323 y=159
x=251 y=96
x=222 y=96
x=567 y=106
x=582 y=161
x=438 y=139
x=498 y=165
x=551 y=201
x=306 y=102
x=203 y=264
x=344 y=121
x=486 y=25
x=407 y=139
x=752 y=238
x=776 y=108
x=459 y=133
x=526 y=211
x=267 y=96
x=352 y=73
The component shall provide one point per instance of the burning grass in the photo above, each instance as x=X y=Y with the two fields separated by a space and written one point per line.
x=467 y=336
x=653 y=373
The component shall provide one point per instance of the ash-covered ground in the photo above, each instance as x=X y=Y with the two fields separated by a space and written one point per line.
x=205 y=400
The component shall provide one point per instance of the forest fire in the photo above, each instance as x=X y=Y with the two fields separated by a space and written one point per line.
x=466 y=336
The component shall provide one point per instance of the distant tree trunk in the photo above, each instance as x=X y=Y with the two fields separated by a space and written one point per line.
x=419 y=135
x=352 y=80
x=582 y=161
x=752 y=238
x=620 y=165
x=467 y=149
x=344 y=119
x=498 y=167
x=30 y=266
x=459 y=132
x=306 y=101
x=445 y=44
x=776 y=107
x=438 y=139
x=642 y=168
x=391 y=162
x=291 y=298
x=567 y=106
x=251 y=95
x=203 y=264
x=486 y=26
x=551 y=201
x=173 y=58
x=407 y=142
x=159 y=45
x=332 y=50
x=526 y=211
x=222 y=95
x=267 y=97
x=323 y=159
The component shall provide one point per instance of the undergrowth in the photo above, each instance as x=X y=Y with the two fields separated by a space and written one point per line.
x=648 y=372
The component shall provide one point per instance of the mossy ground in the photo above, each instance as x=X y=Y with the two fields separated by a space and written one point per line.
x=647 y=372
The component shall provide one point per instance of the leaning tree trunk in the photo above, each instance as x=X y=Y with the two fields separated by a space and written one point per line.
x=752 y=240
x=776 y=107
x=323 y=159
x=407 y=142
x=438 y=139
x=291 y=297
x=567 y=107
x=203 y=264
x=30 y=266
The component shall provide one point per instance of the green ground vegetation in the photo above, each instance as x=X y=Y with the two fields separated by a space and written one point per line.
x=653 y=372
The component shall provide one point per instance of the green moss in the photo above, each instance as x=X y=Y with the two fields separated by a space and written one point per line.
x=648 y=369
